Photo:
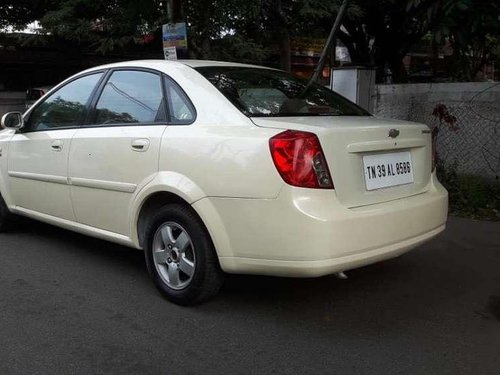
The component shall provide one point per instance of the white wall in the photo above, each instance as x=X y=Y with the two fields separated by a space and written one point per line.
x=475 y=147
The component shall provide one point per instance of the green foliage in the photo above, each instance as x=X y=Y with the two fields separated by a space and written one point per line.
x=240 y=49
x=19 y=13
x=246 y=28
x=105 y=25
x=378 y=33
x=214 y=22
x=383 y=32
x=470 y=196
x=473 y=27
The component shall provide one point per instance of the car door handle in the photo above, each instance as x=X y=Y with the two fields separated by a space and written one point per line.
x=57 y=145
x=140 y=145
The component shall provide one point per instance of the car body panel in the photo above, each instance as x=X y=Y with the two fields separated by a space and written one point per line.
x=5 y=137
x=345 y=140
x=105 y=170
x=74 y=226
x=162 y=182
x=317 y=268
x=227 y=160
x=37 y=171
x=307 y=226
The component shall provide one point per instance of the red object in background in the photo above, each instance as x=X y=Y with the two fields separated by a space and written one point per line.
x=148 y=38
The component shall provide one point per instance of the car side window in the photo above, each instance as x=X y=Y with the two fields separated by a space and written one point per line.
x=65 y=107
x=179 y=106
x=131 y=97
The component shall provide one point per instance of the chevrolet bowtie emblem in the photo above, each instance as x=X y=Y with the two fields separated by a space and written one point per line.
x=393 y=133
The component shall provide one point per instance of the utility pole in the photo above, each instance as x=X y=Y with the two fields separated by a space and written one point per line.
x=175 y=16
x=326 y=48
x=174 y=10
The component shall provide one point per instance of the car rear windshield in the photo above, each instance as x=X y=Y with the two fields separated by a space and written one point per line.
x=261 y=92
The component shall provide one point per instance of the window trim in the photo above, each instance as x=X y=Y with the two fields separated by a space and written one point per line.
x=88 y=115
x=91 y=117
x=86 y=108
x=168 y=101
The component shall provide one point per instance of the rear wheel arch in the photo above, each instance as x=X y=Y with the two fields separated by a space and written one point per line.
x=149 y=206
x=158 y=194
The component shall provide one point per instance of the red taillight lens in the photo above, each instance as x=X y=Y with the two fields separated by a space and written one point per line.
x=299 y=159
x=434 y=151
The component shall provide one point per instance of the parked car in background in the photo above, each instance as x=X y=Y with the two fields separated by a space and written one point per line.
x=35 y=93
x=214 y=168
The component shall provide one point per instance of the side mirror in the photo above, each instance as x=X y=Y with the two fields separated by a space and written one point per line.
x=12 y=120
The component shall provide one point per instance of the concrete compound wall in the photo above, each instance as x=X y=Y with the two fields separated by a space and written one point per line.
x=475 y=147
x=12 y=101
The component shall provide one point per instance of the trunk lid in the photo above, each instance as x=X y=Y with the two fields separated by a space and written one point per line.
x=347 y=139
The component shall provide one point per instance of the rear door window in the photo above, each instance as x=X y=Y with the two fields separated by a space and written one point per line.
x=180 y=108
x=131 y=96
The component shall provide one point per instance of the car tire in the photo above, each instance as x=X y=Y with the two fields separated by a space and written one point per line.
x=6 y=217
x=181 y=257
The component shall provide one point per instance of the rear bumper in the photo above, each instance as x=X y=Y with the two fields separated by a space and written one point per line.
x=315 y=268
x=307 y=232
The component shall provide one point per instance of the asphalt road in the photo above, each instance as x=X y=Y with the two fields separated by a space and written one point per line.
x=75 y=305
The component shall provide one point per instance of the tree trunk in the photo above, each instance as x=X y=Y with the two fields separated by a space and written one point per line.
x=285 y=50
x=280 y=27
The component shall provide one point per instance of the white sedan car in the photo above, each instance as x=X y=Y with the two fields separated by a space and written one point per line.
x=214 y=168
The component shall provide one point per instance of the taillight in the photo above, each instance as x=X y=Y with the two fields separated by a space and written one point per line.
x=434 y=135
x=299 y=159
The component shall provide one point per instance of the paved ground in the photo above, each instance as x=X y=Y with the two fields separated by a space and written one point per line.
x=74 y=305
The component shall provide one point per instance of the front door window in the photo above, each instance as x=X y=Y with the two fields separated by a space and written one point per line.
x=65 y=107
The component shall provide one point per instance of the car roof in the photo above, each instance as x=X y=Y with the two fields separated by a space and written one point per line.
x=205 y=63
x=158 y=63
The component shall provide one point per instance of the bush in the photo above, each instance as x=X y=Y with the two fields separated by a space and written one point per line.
x=470 y=196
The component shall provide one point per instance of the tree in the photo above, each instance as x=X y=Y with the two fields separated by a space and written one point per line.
x=17 y=14
x=378 y=33
x=250 y=30
x=382 y=32
x=105 y=25
x=212 y=21
x=473 y=29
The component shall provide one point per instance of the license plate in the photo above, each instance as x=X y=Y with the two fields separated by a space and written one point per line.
x=384 y=170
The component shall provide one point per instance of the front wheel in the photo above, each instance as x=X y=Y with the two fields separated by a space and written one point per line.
x=180 y=256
